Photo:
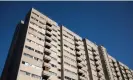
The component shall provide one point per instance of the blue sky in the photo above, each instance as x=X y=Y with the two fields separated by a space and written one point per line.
x=107 y=23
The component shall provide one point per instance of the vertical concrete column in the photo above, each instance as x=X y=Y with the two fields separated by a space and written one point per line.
x=88 y=61
x=105 y=62
x=62 y=61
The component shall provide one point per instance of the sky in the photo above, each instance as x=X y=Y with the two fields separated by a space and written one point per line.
x=106 y=23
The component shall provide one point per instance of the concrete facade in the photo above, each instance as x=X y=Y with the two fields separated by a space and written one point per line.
x=43 y=50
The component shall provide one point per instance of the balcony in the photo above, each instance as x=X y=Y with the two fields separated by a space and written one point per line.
x=98 y=63
x=84 y=68
x=76 y=39
x=98 y=69
x=47 y=58
x=97 y=57
x=78 y=54
x=59 y=66
x=47 y=65
x=49 y=28
x=79 y=65
x=93 y=50
x=127 y=71
x=118 y=73
x=77 y=49
x=99 y=75
x=48 y=39
x=96 y=54
x=48 y=45
x=46 y=75
x=47 y=51
x=115 y=64
x=117 y=69
x=81 y=78
x=114 y=73
x=79 y=59
x=48 y=33
x=59 y=60
x=77 y=43
x=81 y=72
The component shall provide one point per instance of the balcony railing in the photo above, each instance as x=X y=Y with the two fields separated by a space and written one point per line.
x=81 y=78
x=77 y=43
x=81 y=72
x=47 y=65
x=47 y=58
x=46 y=75
x=48 y=28
x=98 y=63
x=80 y=65
x=77 y=49
x=47 y=51
x=48 y=33
x=48 y=45
x=79 y=59
x=79 y=53
x=97 y=57
x=48 y=39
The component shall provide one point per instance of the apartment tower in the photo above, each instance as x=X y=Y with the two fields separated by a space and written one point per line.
x=43 y=50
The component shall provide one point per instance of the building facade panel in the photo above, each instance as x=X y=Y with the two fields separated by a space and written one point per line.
x=43 y=50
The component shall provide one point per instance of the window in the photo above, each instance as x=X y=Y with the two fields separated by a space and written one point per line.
x=54 y=40
x=54 y=30
x=25 y=63
x=69 y=53
x=41 y=33
x=73 y=66
x=33 y=50
x=48 y=24
x=33 y=29
x=29 y=48
x=53 y=58
x=35 y=14
x=34 y=42
x=31 y=34
x=67 y=37
x=38 y=52
x=36 y=76
x=34 y=18
x=28 y=55
x=53 y=73
x=65 y=45
x=53 y=65
x=28 y=40
x=41 y=17
x=58 y=50
x=70 y=71
x=28 y=64
x=25 y=73
x=41 y=27
x=54 y=45
x=41 y=23
x=54 y=35
x=37 y=31
x=71 y=48
x=69 y=58
x=35 y=36
x=29 y=74
x=40 y=39
x=35 y=58
x=67 y=78
x=69 y=42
